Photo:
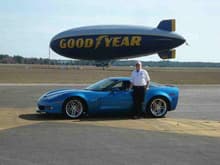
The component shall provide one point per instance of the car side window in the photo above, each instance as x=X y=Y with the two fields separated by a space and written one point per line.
x=118 y=85
x=122 y=85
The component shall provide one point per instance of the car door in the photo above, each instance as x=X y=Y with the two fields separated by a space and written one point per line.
x=117 y=99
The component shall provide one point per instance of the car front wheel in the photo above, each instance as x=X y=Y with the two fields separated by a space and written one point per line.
x=73 y=108
x=158 y=107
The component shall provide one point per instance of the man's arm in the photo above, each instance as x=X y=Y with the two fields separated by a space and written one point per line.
x=147 y=85
x=147 y=79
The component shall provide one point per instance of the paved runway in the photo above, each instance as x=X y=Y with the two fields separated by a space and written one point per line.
x=189 y=135
x=195 y=102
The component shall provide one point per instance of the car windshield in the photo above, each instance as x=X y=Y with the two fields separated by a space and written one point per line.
x=102 y=85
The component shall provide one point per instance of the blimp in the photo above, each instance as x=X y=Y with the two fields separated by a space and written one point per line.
x=105 y=43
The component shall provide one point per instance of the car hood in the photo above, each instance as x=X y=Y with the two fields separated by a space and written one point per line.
x=64 y=91
x=59 y=92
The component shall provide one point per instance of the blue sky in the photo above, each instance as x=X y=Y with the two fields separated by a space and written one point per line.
x=27 y=26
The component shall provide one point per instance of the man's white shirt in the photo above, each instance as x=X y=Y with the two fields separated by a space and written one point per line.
x=139 y=78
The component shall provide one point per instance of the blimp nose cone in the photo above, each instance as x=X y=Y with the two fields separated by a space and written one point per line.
x=52 y=42
x=52 y=45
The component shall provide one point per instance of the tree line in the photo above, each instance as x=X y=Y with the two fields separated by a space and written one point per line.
x=17 y=59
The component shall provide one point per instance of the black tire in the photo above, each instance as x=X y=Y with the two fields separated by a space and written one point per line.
x=74 y=108
x=158 y=107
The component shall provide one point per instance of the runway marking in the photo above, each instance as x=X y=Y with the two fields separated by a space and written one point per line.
x=11 y=118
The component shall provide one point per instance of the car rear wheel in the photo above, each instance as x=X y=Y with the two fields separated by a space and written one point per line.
x=158 y=107
x=74 y=108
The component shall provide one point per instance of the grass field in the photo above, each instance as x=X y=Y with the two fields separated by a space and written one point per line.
x=62 y=74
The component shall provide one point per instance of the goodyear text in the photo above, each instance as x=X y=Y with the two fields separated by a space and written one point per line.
x=101 y=41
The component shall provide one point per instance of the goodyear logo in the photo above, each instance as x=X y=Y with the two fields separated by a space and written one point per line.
x=105 y=40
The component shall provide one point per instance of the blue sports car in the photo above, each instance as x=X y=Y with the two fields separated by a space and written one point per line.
x=108 y=96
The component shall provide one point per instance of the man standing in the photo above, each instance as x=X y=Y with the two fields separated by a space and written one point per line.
x=140 y=81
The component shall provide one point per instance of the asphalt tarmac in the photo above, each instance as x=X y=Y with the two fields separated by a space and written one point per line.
x=189 y=135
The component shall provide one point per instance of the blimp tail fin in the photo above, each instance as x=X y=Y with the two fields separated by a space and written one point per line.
x=168 y=25
x=169 y=54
